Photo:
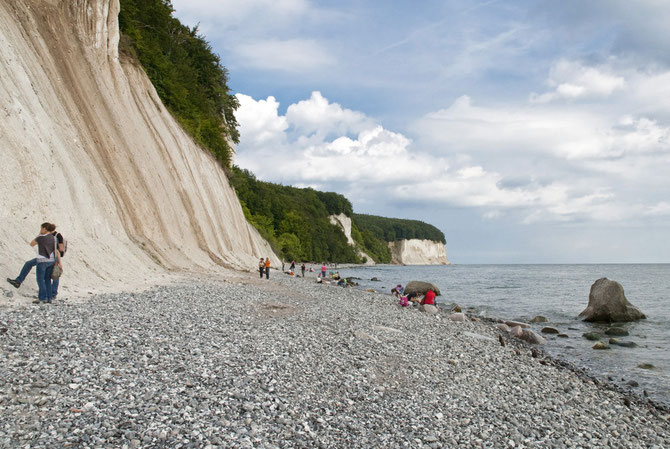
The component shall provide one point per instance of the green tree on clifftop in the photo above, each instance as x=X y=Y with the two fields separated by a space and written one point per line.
x=186 y=73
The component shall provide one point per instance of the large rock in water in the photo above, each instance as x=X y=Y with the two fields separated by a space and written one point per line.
x=607 y=303
x=421 y=288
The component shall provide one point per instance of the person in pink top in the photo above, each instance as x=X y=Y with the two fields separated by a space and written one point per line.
x=323 y=270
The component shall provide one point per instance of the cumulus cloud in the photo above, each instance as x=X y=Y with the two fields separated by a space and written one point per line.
x=318 y=116
x=321 y=144
x=571 y=80
x=562 y=161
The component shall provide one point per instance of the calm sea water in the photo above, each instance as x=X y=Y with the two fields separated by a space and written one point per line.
x=560 y=293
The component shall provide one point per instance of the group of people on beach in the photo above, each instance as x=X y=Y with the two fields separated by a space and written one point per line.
x=264 y=267
x=51 y=247
x=413 y=297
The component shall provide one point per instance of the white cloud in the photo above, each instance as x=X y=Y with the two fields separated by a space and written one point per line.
x=571 y=81
x=317 y=116
x=542 y=162
x=260 y=122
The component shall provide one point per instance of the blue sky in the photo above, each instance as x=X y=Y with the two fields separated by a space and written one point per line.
x=527 y=131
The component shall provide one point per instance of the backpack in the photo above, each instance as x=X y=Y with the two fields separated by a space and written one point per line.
x=64 y=243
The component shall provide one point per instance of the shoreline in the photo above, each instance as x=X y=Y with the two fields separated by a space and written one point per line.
x=556 y=360
x=259 y=363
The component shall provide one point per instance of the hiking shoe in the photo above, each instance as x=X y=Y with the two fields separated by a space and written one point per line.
x=14 y=283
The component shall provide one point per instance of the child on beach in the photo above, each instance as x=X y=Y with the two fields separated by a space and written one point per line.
x=261 y=267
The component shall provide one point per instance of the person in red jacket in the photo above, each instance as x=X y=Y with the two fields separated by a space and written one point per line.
x=429 y=298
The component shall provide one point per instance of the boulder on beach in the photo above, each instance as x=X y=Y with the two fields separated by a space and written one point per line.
x=503 y=327
x=421 y=288
x=458 y=317
x=601 y=345
x=531 y=337
x=429 y=309
x=516 y=331
x=607 y=303
x=539 y=319
x=549 y=330
x=514 y=324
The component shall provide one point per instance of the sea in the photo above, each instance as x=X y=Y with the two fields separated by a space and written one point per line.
x=559 y=293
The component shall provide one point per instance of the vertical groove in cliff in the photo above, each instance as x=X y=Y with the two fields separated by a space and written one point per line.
x=87 y=147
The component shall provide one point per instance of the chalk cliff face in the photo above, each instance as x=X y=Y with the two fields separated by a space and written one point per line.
x=344 y=222
x=87 y=144
x=418 y=252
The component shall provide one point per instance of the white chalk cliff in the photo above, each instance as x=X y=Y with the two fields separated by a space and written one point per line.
x=344 y=223
x=88 y=145
x=418 y=252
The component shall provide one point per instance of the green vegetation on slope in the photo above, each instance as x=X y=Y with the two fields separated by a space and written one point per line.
x=393 y=229
x=295 y=221
x=186 y=73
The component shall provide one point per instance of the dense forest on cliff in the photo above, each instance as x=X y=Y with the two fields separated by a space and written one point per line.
x=295 y=221
x=393 y=229
x=187 y=74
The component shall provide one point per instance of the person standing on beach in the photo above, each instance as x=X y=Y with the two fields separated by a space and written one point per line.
x=47 y=256
x=292 y=267
x=323 y=270
x=267 y=268
x=282 y=265
x=60 y=247
x=303 y=267
x=261 y=267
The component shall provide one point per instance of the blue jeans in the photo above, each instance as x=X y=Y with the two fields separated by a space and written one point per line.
x=44 y=270
x=26 y=270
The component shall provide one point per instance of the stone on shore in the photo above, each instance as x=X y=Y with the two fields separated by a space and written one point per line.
x=503 y=327
x=429 y=309
x=517 y=323
x=617 y=332
x=458 y=317
x=421 y=288
x=601 y=345
x=531 y=337
x=539 y=319
x=549 y=330
x=624 y=344
x=516 y=331
x=593 y=336
x=607 y=304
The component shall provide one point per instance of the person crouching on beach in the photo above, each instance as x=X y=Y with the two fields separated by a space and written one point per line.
x=267 y=268
x=429 y=299
x=261 y=267
x=397 y=290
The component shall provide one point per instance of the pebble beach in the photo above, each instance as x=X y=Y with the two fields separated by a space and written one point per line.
x=288 y=363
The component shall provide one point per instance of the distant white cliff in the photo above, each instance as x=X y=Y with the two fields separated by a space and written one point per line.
x=403 y=252
x=344 y=223
x=418 y=252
